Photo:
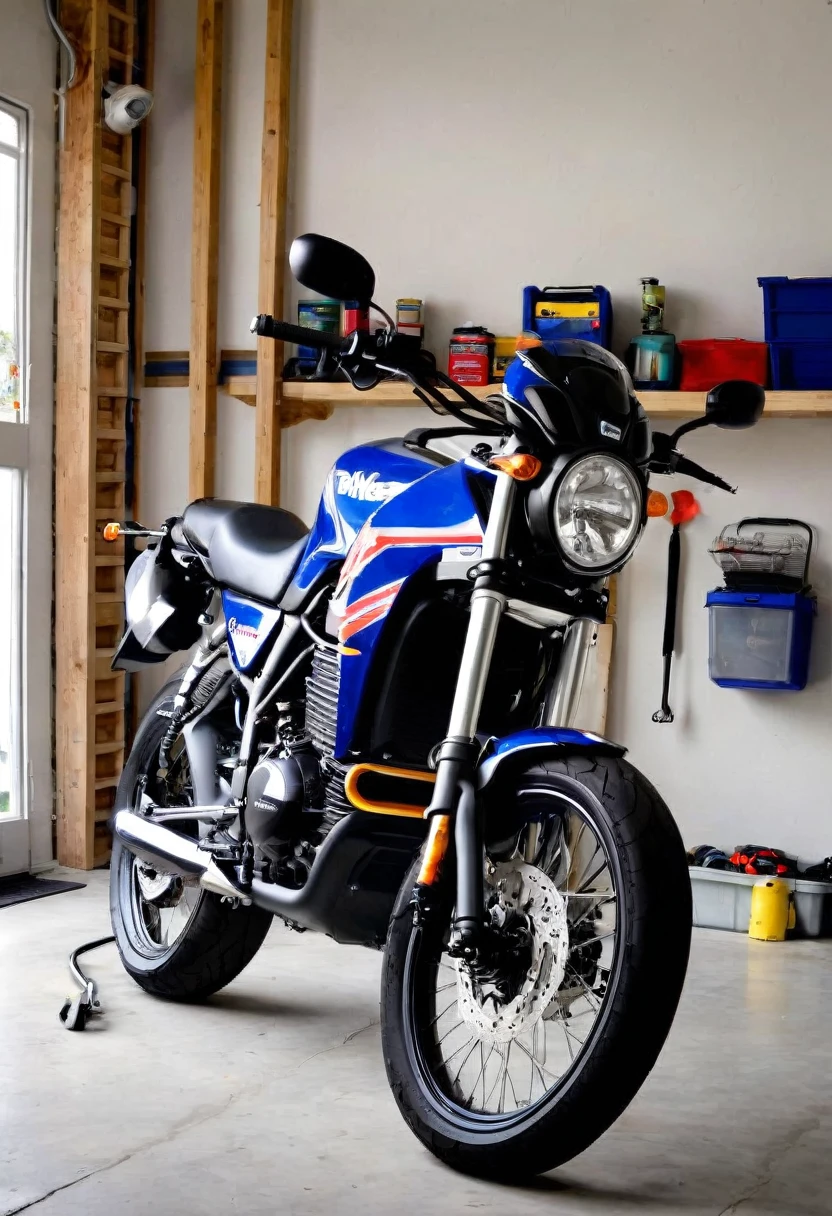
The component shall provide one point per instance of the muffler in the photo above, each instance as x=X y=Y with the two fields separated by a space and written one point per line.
x=172 y=853
x=339 y=897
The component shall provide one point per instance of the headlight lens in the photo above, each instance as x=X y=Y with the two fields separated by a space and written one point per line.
x=597 y=512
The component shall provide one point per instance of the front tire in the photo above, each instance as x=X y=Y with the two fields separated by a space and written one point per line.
x=616 y=978
x=188 y=943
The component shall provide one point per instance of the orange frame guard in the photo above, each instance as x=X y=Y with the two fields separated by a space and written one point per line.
x=436 y=848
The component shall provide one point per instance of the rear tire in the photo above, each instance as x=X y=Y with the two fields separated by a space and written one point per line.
x=636 y=1001
x=217 y=941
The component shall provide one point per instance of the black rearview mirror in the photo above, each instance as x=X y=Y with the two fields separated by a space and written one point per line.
x=735 y=404
x=332 y=269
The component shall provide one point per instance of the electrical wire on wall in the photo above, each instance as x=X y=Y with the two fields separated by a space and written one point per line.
x=71 y=65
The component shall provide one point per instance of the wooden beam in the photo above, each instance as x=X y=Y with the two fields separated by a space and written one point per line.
x=143 y=136
x=205 y=247
x=274 y=184
x=75 y=417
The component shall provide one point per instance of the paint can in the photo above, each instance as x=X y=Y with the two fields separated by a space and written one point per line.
x=323 y=315
x=505 y=348
x=355 y=318
x=471 y=355
x=410 y=317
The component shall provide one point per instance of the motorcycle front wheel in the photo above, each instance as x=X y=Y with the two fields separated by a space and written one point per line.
x=511 y=1070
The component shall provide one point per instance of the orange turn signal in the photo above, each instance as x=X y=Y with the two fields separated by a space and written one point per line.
x=527 y=341
x=521 y=466
x=111 y=531
x=657 y=504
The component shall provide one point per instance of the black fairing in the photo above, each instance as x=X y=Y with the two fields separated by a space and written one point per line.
x=587 y=400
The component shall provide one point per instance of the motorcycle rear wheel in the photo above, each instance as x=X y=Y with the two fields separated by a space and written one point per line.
x=182 y=943
x=605 y=889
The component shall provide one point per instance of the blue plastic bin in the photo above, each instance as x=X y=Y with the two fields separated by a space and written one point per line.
x=760 y=639
x=798 y=324
x=801 y=364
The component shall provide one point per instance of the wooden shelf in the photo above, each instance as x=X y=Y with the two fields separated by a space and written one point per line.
x=307 y=399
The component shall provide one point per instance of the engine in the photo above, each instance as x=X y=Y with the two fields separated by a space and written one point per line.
x=283 y=792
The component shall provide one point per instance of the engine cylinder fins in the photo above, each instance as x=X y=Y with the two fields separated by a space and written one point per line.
x=322 y=687
x=384 y=790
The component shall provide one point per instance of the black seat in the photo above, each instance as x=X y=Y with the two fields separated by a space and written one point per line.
x=251 y=549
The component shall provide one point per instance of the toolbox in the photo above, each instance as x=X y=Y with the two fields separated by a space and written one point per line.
x=557 y=313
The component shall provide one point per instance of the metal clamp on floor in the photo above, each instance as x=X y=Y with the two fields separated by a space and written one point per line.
x=74 y=1012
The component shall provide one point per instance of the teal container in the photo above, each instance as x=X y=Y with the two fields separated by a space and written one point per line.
x=324 y=315
x=652 y=358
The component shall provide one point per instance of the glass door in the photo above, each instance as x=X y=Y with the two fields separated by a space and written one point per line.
x=14 y=140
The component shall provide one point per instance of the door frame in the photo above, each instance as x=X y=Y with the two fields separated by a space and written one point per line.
x=27 y=69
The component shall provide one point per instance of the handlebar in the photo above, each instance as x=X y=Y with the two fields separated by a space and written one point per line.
x=691 y=469
x=266 y=326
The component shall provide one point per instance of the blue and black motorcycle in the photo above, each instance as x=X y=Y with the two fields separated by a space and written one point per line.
x=375 y=739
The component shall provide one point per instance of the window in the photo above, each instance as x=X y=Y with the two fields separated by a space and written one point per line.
x=13 y=359
x=13 y=214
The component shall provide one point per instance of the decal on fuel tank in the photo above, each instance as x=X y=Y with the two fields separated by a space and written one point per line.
x=366 y=488
x=247 y=626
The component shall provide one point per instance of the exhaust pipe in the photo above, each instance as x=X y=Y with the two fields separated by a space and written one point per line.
x=173 y=853
x=329 y=901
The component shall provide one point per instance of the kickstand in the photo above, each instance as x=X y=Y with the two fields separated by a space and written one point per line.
x=75 y=1011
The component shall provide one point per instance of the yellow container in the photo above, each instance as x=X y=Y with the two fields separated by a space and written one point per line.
x=772 y=910
x=505 y=348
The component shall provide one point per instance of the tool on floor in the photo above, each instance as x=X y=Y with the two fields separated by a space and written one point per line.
x=685 y=508
x=75 y=1011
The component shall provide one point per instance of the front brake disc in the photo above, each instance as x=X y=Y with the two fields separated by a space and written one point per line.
x=528 y=892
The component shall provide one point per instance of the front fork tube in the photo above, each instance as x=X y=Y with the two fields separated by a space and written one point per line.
x=453 y=794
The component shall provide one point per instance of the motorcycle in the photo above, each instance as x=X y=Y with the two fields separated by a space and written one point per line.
x=375 y=739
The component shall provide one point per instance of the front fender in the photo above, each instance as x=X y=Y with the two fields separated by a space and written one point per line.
x=540 y=743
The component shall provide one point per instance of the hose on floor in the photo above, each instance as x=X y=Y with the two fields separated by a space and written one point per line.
x=76 y=1011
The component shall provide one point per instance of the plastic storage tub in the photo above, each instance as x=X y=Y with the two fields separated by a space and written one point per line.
x=760 y=639
x=801 y=364
x=707 y=362
x=722 y=900
x=798 y=325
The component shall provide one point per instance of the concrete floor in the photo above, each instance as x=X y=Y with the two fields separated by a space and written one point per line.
x=272 y=1098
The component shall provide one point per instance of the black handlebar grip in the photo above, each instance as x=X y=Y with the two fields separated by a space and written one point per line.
x=266 y=326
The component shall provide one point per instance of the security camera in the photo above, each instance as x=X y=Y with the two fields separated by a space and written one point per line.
x=126 y=106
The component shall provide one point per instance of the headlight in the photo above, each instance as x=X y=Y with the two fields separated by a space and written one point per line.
x=597 y=513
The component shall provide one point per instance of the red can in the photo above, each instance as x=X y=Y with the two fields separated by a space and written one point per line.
x=471 y=355
x=355 y=317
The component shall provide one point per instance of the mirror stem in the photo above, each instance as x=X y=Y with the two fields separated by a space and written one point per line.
x=693 y=425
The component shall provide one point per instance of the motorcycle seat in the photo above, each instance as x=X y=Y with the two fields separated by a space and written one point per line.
x=251 y=549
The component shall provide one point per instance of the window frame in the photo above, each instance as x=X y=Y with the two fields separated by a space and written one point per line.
x=22 y=155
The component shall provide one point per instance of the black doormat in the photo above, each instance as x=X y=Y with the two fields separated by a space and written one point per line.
x=23 y=887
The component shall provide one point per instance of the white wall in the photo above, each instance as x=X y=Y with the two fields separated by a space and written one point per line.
x=471 y=147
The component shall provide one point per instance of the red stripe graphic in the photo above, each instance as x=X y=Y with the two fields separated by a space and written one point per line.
x=371 y=541
x=369 y=609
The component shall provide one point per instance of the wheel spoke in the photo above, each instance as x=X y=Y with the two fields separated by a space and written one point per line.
x=433 y=1021
x=590 y=941
x=589 y=881
x=608 y=899
x=590 y=995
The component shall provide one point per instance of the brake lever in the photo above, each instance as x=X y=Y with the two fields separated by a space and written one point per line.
x=668 y=460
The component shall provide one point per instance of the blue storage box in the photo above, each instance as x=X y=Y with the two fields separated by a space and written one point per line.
x=798 y=324
x=760 y=639
x=801 y=364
